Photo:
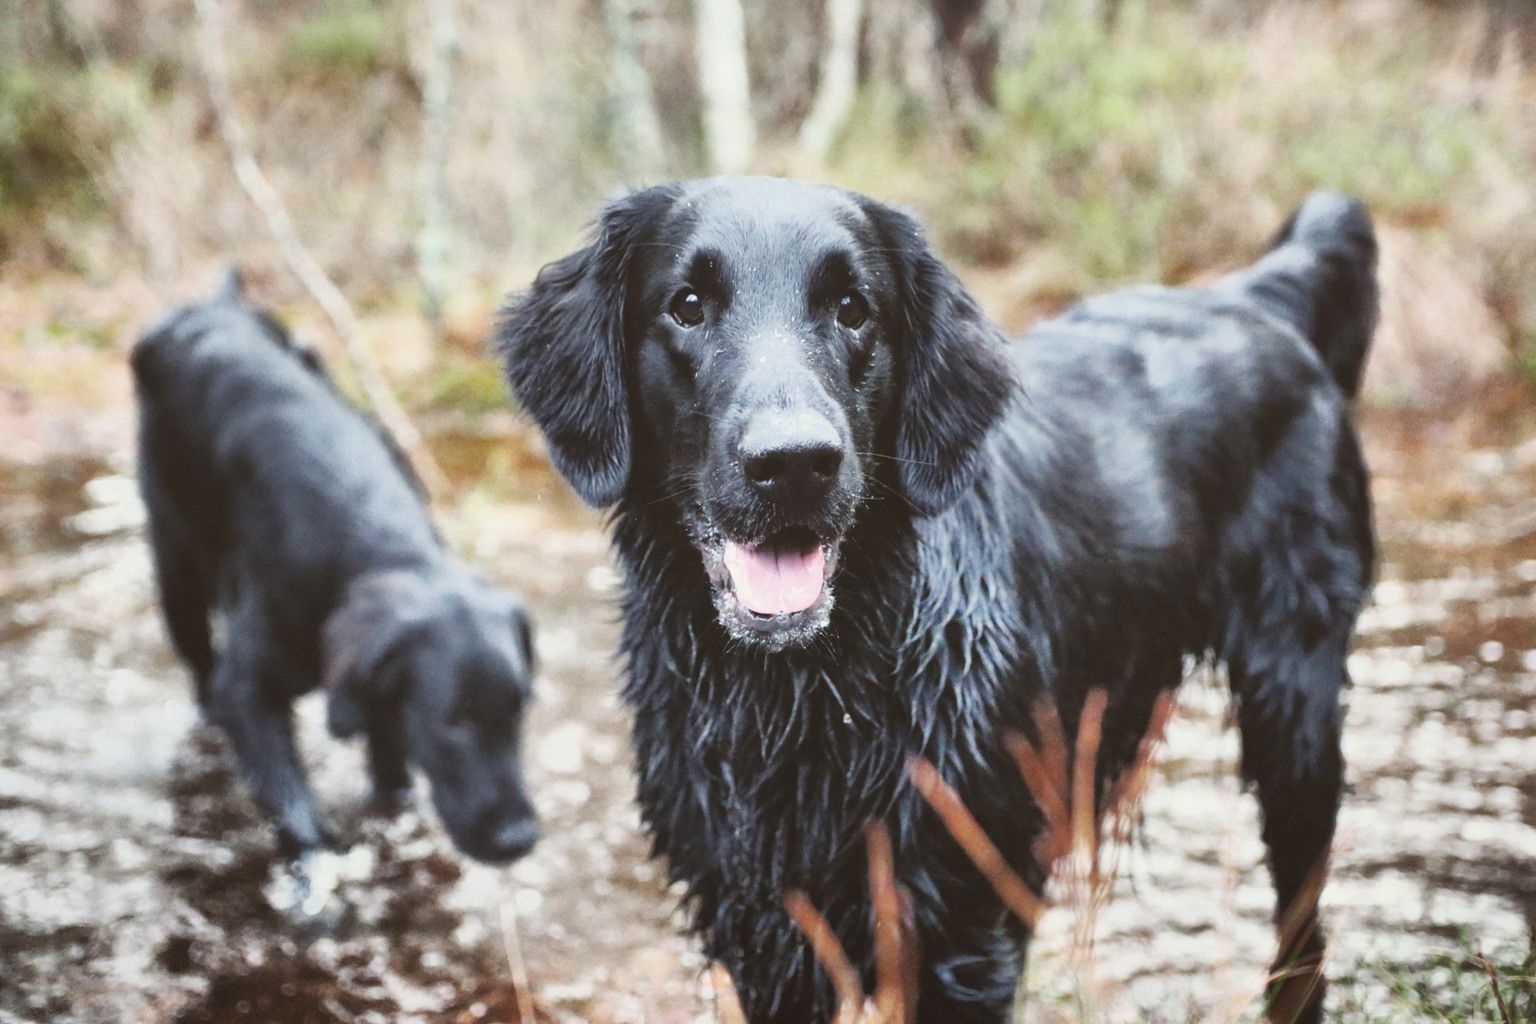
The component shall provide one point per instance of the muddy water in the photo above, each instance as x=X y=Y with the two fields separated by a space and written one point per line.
x=136 y=884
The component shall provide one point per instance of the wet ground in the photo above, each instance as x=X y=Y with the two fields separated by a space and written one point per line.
x=137 y=885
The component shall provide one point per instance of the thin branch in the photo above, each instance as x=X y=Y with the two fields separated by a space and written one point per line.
x=299 y=259
x=829 y=951
x=522 y=988
x=895 y=948
x=957 y=819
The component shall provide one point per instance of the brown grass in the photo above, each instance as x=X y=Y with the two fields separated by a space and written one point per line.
x=1070 y=843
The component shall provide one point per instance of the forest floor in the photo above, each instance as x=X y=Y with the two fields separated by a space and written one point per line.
x=135 y=877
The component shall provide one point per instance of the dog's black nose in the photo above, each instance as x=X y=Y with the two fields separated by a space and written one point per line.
x=790 y=457
x=513 y=839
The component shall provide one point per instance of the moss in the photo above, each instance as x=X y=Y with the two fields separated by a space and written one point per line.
x=41 y=162
x=348 y=39
x=58 y=127
x=464 y=385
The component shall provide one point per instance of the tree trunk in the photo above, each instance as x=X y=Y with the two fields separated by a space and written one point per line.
x=839 y=78
x=636 y=128
x=968 y=49
x=437 y=136
x=720 y=49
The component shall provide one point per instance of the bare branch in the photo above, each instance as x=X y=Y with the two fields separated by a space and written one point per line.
x=522 y=988
x=828 y=950
x=299 y=259
x=1010 y=888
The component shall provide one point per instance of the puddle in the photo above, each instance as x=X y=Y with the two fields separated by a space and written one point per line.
x=133 y=869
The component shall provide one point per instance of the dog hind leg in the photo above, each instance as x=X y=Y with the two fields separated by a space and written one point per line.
x=1285 y=651
x=184 y=597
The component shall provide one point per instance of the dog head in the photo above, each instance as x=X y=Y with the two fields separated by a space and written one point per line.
x=445 y=662
x=769 y=356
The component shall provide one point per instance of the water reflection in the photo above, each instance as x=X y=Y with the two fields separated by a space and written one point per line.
x=132 y=870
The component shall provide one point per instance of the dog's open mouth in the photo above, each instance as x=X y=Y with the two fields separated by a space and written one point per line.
x=783 y=574
x=774 y=590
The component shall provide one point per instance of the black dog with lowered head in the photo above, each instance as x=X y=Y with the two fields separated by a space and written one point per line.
x=857 y=524
x=273 y=500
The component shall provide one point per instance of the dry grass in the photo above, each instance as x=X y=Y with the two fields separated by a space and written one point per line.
x=1072 y=842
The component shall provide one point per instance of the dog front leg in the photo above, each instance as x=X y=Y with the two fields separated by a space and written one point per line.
x=387 y=760
x=251 y=704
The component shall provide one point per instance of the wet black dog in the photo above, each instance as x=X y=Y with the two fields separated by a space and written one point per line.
x=858 y=525
x=274 y=501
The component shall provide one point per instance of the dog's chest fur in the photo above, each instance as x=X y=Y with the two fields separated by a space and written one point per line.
x=758 y=772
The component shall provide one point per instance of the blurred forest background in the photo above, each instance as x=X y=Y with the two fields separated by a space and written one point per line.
x=433 y=153
x=430 y=155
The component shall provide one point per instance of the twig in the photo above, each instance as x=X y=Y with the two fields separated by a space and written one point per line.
x=1505 y=1015
x=299 y=259
x=522 y=989
x=1125 y=795
x=1085 y=820
x=973 y=840
x=834 y=959
x=1044 y=770
x=895 y=964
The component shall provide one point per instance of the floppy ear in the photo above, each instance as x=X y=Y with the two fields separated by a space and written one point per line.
x=563 y=345
x=374 y=619
x=955 y=374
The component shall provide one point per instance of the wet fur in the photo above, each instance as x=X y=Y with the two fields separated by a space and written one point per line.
x=1160 y=473
x=273 y=501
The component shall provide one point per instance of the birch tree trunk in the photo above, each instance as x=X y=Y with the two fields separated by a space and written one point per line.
x=636 y=127
x=437 y=136
x=839 y=78
x=720 y=50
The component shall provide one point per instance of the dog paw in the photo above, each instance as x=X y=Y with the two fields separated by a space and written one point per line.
x=311 y=888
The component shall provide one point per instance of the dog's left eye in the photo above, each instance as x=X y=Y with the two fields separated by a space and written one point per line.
x=852 y=310
x=687 y=308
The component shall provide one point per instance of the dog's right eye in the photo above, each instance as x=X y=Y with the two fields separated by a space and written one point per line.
x=687 y=308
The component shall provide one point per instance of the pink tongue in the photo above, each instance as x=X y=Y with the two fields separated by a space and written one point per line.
x=775 y=582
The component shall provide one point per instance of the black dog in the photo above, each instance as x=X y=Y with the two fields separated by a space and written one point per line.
x=858 y=525
x=272 y=499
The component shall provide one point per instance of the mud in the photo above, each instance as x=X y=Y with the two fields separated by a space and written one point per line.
x=136 y=883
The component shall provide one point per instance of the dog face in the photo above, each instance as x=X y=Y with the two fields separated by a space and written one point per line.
x=769 y=356
x=449 y=673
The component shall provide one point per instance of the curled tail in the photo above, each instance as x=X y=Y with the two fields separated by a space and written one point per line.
x=1319 y=276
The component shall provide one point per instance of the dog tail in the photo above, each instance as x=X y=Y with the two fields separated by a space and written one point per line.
x=1319 y=276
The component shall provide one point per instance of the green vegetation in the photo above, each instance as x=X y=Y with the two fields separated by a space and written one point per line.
x=1464 y=987
x=1161 y=142
x=344 y=39
x=464 y=384
x=1149 y=148
x=44 y=167
x=58 y=128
